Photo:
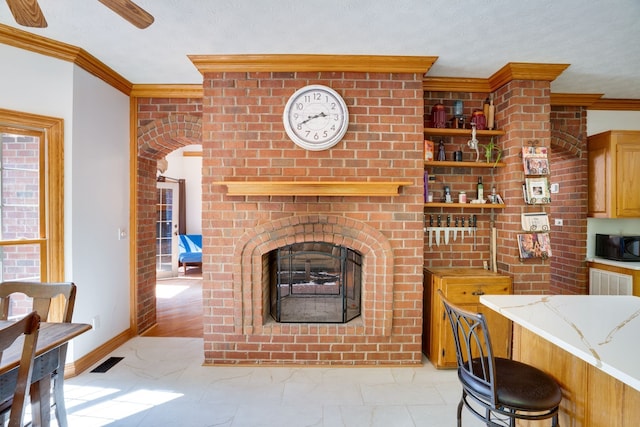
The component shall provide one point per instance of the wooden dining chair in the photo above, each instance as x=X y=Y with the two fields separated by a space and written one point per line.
x=29 y=326
x=47 y=302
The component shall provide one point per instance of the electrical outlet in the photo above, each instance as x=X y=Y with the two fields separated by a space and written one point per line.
x=558 y=222
x=95 y=322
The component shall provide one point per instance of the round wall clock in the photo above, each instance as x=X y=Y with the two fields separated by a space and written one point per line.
x=316 y=117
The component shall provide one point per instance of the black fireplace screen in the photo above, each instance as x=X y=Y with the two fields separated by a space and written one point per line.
x=315 y=282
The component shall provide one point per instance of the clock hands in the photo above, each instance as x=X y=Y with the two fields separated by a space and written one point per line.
x=309 y=118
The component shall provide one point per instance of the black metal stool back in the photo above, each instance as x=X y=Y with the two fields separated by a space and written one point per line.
x=497 y=390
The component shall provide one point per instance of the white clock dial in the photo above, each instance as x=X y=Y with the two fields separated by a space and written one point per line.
x=316 y=117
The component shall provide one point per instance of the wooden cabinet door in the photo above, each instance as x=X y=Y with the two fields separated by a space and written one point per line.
x=465 y=292
x=599 y=182
x=628 y=178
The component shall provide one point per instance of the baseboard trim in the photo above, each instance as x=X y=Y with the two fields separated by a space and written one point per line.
x=90 y=359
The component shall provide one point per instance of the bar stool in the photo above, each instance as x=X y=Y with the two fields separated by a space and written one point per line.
x=498 y=391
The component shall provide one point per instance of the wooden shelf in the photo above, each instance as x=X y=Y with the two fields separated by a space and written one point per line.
x=312 y=188
x=465 y=205
x=449 y=163
x=461 y=132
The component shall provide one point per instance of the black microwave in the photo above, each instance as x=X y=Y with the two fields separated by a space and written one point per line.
x=618 y=248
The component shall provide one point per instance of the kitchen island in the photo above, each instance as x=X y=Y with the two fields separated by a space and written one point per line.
x=589 y=343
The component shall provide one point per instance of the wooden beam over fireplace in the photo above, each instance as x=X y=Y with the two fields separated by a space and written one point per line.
x=312 y=188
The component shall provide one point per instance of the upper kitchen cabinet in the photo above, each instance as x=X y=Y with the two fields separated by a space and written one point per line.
x=614 y=162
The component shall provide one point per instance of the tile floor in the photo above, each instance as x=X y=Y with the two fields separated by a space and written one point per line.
x=161 y=382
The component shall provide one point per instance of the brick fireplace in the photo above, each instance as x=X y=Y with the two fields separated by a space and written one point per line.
x=244 y=140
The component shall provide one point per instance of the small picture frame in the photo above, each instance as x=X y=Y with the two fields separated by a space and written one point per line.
x=535 y=221
x=537 y=191
x=534 y=245
x=428 y=150
x=535 y=160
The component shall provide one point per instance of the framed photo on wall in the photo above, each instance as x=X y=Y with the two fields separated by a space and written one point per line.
x=535 y=160
x=537 y=190
x=534 y=245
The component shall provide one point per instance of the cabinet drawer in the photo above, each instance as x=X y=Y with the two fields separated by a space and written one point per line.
x=469 y=294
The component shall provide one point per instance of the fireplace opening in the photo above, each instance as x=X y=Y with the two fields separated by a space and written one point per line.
x=314 y=282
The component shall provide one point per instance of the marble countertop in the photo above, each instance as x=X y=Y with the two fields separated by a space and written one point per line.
x=602 y=330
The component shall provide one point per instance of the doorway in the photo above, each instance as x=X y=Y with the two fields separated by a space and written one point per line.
x=160 y=136
x=167 y=229
x=177 y=210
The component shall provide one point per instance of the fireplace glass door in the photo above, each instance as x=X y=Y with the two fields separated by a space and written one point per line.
x=315 y=282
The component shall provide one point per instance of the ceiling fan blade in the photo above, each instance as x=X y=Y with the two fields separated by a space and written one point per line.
x=130 y=11
x=27 y=13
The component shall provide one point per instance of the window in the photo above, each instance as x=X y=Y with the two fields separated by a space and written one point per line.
x=31 y=191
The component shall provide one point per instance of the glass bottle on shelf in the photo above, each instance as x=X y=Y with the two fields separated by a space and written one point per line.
x=441 y=153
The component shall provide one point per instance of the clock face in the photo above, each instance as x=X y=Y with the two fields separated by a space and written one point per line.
x=316 y=117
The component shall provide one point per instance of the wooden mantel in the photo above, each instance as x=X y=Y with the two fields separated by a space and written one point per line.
x=312 y=188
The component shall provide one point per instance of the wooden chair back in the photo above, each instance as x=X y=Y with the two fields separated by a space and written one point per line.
x=46 y=299
x=29 y=326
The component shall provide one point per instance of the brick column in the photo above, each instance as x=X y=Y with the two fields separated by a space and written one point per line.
x=523 y=111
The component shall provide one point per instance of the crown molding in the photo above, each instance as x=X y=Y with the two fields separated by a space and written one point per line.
x=616 y=104
x=48 y=47
x=456 y=84
x=306 y=63
x=167 y=91
x=525 y=71
x=511 y=71
x=594 y=101
x=575 y=99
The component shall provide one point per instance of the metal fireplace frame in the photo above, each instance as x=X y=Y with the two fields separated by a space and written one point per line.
x=315 y=282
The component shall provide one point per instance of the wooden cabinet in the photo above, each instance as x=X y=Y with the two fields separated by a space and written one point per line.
x=614 y=162
x=463 y=287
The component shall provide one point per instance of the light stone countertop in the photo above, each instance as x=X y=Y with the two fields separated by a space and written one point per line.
x=621 y=264
x=602 y=330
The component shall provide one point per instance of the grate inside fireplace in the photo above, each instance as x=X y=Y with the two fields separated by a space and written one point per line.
x=315 y=282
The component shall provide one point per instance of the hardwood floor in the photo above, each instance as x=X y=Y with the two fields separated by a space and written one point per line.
x=179 y=307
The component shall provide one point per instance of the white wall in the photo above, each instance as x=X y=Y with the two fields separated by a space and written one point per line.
x=100 y=180
x=189 y=168
x=96 y=150
x=602 y=121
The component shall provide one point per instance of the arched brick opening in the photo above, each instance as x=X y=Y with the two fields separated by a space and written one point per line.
x=565 y=141
x=160 y=137
x=251 y=314
x=155 y=140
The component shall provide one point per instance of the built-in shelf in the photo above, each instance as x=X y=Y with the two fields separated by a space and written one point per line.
x=466 y=205
x=312 y=188
x=461 y=132
x=449 y=163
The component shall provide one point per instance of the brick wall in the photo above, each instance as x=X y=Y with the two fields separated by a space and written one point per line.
x=20 y=204
x=523 y=110
x=244 y=139
x=461 y=252
x=569 y=169
x=381 y=142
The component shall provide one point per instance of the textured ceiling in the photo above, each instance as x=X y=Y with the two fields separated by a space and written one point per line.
x=472 y=38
